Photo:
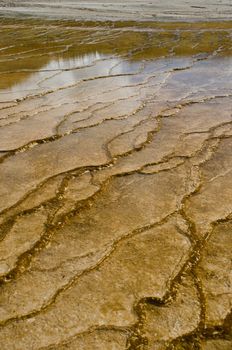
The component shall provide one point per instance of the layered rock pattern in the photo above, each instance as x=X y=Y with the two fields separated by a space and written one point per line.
x=116 y=186
x=136 y=10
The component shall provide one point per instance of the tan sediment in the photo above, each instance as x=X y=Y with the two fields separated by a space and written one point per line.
x=115 y=169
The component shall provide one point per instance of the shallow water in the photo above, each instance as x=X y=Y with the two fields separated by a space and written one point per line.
x=116 y=186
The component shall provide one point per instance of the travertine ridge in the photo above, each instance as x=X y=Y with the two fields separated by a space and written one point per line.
x=116 y=186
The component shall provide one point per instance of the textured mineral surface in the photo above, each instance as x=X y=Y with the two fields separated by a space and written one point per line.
x=119 y=10
x=115 y=184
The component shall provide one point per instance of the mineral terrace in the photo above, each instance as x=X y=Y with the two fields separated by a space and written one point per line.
x=115 y=185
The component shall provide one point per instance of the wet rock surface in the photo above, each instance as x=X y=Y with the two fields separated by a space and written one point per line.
x=119 y=10
x=116 y=177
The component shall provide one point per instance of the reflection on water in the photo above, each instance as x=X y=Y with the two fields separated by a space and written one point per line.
x=35 y=80
x=73 y=62
x=34 y=58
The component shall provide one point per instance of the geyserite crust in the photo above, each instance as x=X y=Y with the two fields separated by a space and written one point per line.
x=115 y=168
